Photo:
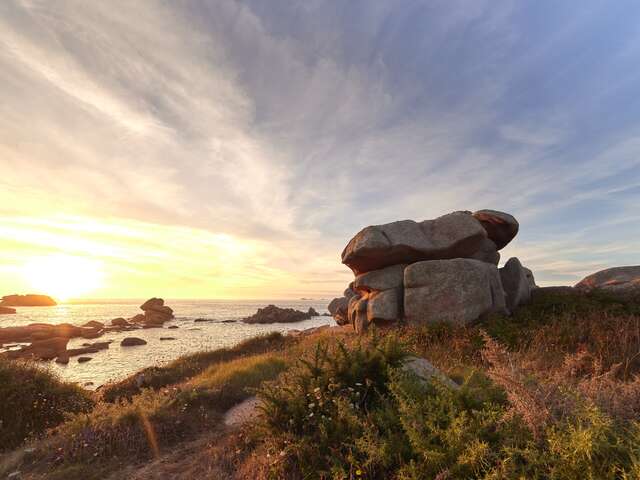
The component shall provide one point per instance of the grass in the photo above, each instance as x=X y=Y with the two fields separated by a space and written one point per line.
x=188 y=366
x=32 y=400
x=152 y=422
x=552 y=392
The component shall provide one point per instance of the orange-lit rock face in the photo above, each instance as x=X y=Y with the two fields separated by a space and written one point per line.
x=501 y=227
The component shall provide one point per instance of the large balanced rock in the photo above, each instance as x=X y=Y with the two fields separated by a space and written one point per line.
x=454 y=235
x=456 y=291
x=27 y=301
x=517 y=282
x=501 y=227
x=619 y=282
x=273 y=314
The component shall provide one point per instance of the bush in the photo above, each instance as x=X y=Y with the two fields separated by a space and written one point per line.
x=353 y=413
x=32 y=400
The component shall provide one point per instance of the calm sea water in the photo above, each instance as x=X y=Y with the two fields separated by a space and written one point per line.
x=118 y=362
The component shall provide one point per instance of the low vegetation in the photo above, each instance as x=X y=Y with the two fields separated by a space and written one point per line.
x=188 y=366
x=32 y=399
x=551 y=393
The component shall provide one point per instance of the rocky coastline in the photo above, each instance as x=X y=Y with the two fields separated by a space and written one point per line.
x=48 y=342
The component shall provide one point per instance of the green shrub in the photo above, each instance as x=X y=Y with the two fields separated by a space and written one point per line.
x=353 y=413
x=32 y=399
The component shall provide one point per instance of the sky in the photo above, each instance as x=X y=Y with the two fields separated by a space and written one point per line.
x=230 y=149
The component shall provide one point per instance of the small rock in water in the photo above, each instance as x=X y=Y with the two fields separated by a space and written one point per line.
x=84 y=359
x=201 y=320
x=173 y=327
x=167 y=338
x=132 y=342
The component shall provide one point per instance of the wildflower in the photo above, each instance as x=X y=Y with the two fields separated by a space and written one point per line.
x=311 y=405
x=311 y=415
x=358 y=472
x=358 y=384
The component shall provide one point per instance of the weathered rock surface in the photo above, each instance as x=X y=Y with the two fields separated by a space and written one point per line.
x=132 y=342
x=426 y=371
x=273 y=314
x=488 y=252
x=516 y=282
x=384 y=307
x=619 y=282
x=29 y=300
x=457 y=291
x=339 y=310
x=7 y=310
x=454 y=235
x=339 y=307
x=501 y=227
x=383 y=279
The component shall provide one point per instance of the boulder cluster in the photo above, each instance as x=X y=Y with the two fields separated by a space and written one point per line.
x=46 y=341
x=444 y=269
x=273 y=314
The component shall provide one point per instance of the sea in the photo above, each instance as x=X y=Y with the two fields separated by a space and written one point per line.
x=118 y=362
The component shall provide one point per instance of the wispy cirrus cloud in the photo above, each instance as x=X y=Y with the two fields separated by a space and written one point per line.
x=294 y=125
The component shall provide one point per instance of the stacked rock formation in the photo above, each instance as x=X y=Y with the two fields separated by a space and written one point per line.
x=436 y=270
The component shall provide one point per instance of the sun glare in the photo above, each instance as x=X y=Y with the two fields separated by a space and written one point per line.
x=63 y=276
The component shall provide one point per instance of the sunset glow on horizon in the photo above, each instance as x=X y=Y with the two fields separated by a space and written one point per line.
x=73 y=257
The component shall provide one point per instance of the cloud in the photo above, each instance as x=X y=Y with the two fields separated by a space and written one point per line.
x=294 y=125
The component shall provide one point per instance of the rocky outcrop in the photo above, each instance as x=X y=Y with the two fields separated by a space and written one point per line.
x=454 y=235
x=517 y=282
x=273 y=314
x=456 y=291
x=435 y=270
x=7 y=310
x=619 y=282
x=155 y=312
x=35 y=334
x=41 y=349
x=29 y=300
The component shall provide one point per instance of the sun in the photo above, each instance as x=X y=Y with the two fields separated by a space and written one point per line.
x=63 y=276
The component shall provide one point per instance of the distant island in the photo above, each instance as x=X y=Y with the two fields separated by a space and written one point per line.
x=29 y=300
